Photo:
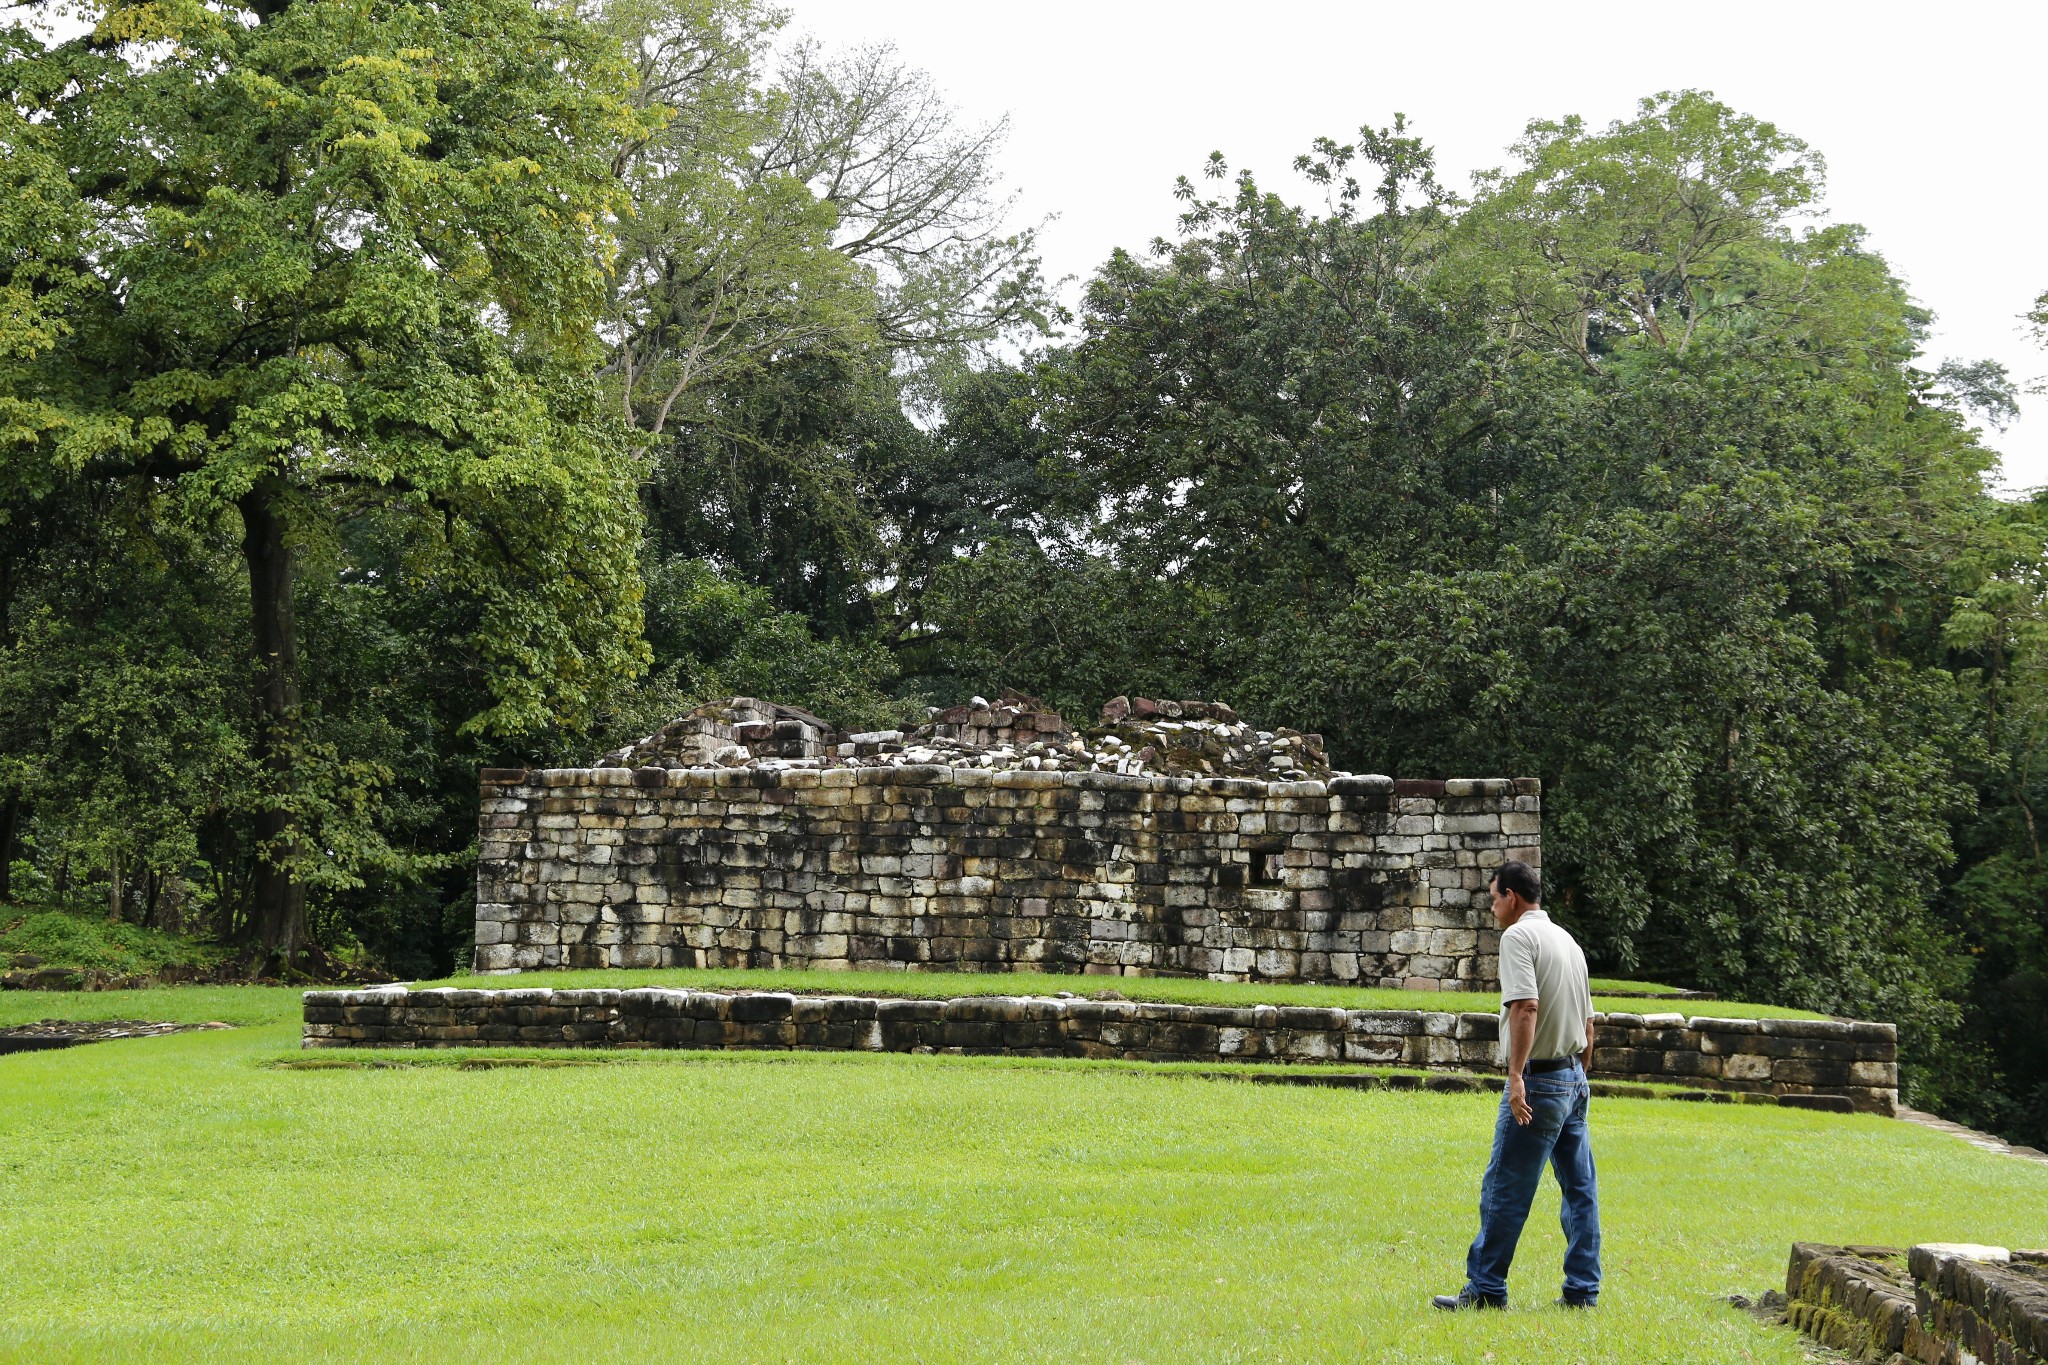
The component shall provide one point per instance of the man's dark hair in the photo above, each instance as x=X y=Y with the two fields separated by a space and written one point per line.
x=1517 y=876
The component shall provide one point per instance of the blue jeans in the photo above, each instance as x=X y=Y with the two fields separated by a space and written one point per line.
x=1556 y=1133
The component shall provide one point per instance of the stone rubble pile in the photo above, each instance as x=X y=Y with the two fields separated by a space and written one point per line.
x=729 y=733
x=1202 y=739
x=1135 y=736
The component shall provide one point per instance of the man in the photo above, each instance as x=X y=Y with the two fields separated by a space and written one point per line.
x=1546 y=1034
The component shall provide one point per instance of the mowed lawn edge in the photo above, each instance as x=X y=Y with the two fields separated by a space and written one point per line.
x=1338 y=1074
x=182 y=1198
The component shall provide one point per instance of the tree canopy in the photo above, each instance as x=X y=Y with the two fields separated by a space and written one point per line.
x=319 y=262
x=387 y=391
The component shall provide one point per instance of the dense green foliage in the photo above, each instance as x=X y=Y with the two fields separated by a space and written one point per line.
x=831 y=1208
x=379 y=400
x=1674 y=534
x=56 y=938
x=312 y=273
x=1618 y=475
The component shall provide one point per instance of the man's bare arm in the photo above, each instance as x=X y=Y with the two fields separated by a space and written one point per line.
x=1586 y=1058
x=1521 y=1037
x=1521 y=1034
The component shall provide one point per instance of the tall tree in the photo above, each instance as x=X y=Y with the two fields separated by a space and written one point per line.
x=810 y=248
x=1620 y=475
x=913 y=194
x=724 y=267
x=322 y=261
x=1650 y=229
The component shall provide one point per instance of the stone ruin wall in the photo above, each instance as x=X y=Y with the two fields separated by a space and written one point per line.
x=1359 y=880
x=1935 y=1304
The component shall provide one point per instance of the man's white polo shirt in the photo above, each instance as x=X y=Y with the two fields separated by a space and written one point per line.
x=1540 y=961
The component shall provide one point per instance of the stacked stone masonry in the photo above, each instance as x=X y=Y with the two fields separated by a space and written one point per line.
x=1823 y=1063
x=1935 y=1305
x=1358 y=879
x=1995 y=1311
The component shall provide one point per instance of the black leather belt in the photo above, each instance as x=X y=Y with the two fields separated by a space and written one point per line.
x=1551 y=1064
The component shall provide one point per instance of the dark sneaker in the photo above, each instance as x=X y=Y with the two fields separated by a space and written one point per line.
x=1465 y=1298
x=1569 y=1302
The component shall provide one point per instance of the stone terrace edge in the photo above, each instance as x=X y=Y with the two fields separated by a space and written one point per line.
x=1822 y=1063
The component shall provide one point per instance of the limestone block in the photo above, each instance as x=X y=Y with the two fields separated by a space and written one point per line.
x=1278 y=964
x=1408 y=941
x=1482 y=1027
x=1682 y=1062
x=1805 y=1072
x=1430 y=1051
x=1727 y=1029
x=1313 y=1047
x=1452 y=942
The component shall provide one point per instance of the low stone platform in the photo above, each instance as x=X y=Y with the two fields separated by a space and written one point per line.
x=1821 y=1063
x=1938 y=1304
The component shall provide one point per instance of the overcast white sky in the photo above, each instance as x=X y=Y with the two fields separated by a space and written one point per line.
x=1931 y=116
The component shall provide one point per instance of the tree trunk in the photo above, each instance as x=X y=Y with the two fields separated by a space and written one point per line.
x=10 y=824
x=278 y=915
x=10 y=813
x=114 y=889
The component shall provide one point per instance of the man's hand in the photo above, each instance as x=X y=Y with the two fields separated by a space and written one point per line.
x=1518 y=1100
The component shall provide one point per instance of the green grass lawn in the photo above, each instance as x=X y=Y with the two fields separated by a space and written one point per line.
x=180 y=1004
x=184 y=1199
x=1178 y=990
x=1608 y=985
